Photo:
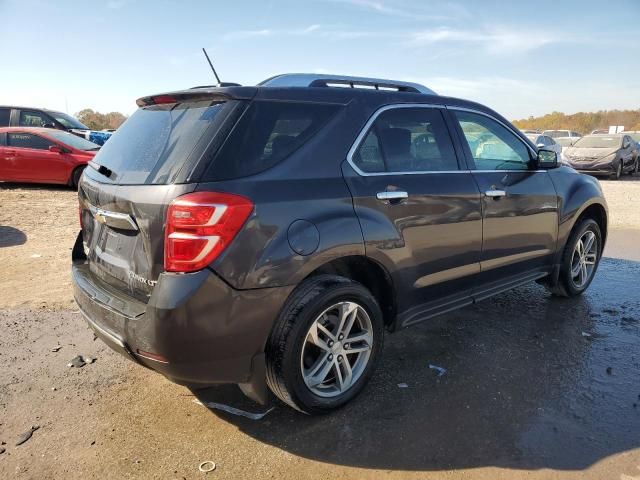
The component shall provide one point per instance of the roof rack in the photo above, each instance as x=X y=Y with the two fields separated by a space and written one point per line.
x=323 y=80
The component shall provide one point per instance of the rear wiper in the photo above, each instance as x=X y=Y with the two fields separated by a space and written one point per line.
x=107 y=172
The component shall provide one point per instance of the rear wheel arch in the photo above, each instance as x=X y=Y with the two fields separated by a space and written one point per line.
x=371 y=275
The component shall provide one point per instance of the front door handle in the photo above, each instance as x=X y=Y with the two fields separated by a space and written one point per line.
x=495 y=193
x=392 y=195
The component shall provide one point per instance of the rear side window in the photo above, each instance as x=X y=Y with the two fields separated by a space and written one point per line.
x=267 y=133
x=5 y=114
x=158 y=141
x=26 y=140
x=33 y=119
x=407 y=140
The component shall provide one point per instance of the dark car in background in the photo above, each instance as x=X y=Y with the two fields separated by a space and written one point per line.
x=42 y=117
x=600 y=154
x=269 y=235
x=43 y=155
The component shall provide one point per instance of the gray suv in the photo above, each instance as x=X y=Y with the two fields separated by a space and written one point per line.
x=268 y=236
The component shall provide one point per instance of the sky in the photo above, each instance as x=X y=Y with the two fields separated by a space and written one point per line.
x=520 y=58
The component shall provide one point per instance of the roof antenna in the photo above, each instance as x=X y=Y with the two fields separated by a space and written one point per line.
x=211 y=65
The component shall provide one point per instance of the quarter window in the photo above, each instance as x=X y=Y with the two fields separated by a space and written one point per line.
x=407 y=140
x=33 y=119
x=27 y=140
x=267 y=133
x=492 y=146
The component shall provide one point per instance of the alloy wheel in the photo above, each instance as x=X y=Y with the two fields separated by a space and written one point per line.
x=336 y=349
x=584 y=258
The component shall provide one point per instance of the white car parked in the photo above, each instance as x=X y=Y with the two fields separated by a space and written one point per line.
x=546 y=142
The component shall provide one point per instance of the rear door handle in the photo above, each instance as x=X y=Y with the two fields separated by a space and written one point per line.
x=392 y=195
x=495 y=193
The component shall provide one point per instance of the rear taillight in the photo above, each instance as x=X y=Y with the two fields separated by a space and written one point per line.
x=200 y=226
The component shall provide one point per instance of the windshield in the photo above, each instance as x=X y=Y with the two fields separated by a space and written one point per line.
x=635 y=136
x=67 y=120
x=556 y=133
x=599 y=141
x=157 y=141
x=72 y=140
x=533 y=138
x=565 y=141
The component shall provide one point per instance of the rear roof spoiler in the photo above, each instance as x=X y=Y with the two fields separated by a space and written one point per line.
x=199 y=93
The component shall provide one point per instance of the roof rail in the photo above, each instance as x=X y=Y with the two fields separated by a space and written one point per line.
x=324 y=80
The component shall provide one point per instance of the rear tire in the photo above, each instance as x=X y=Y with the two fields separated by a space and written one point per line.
x=573 y=279
x=75 y=176
x=307 y=350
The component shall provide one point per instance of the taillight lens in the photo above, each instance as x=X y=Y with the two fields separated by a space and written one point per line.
x=200 y=226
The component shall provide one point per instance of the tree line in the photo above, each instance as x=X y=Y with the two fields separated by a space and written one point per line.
x=100 y=121
x=583 y=122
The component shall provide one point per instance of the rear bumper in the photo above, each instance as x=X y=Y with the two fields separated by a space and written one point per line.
x=202 y=331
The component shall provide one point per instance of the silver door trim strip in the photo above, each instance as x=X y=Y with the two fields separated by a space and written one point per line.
x=446 y=275
x=511 y=259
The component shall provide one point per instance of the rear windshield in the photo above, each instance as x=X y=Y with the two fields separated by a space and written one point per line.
x=156 y=142
x=267 y=133
x=72 y=140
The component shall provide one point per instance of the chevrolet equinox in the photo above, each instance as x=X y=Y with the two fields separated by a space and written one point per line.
x=268 y=236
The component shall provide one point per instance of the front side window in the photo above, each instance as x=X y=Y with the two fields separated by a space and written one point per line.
x=407 y=140
x=33 y=119
x=27 y=140
x=68 y=121
x=492 y=146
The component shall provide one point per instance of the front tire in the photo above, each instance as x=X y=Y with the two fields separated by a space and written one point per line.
x=580 y=259
x=618 y=172
x=324 y=345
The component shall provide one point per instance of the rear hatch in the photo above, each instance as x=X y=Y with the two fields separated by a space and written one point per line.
x=150 y=160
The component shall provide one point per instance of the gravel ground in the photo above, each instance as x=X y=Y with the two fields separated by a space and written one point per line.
x=535 y=387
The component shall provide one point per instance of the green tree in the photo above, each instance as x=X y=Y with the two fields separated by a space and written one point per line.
x=583 y=122
x=100 y=121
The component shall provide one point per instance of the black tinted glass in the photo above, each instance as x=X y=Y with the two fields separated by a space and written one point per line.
x=492 y=146
x=266 y=134
x=26 y=140
x=33 y=119
x=156 y=142
x=407 y=140
x=5 y=113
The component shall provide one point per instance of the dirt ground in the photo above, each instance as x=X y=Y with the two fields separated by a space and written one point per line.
x=535 y=387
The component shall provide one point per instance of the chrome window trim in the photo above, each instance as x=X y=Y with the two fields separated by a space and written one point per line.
x=479 y=112
x=365 y=130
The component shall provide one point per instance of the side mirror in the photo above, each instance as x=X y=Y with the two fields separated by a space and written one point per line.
x=540 y=145
x=48 y=125
x=626 y=144
x=55 y=149
x=547 y=159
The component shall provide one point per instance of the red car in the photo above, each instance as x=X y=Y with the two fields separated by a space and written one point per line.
x=43 y=155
